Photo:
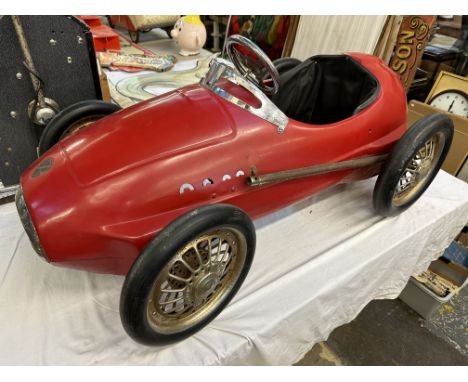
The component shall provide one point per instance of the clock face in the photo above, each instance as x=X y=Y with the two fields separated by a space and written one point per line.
x=452 y=101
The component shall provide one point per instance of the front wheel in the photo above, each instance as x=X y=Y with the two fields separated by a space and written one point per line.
x=187 y=274
x=413 y=164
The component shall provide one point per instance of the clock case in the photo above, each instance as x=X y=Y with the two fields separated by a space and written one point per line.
x=447 y=81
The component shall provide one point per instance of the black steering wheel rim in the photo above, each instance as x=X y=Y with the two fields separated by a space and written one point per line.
x=257 y=71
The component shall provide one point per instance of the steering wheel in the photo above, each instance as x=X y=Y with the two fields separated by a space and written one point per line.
x=253 y=64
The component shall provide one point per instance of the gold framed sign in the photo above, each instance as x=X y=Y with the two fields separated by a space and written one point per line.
x=412 y=38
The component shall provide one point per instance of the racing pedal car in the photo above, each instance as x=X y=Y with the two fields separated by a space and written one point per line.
x=165 y=191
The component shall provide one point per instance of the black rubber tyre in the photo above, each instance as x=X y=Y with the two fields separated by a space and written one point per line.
x=134 y=36
x=284 y=64
x=168 y=31
x=139 y=282
x=109 y=21
x=434 y=125
x=58 y=126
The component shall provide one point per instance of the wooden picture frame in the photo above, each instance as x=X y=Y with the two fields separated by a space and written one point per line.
x=412 y=37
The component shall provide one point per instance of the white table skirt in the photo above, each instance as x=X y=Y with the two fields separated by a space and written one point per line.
x=317 y=265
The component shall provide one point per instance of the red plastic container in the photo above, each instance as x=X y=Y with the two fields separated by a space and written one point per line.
x=105 y=38
x=92 y=21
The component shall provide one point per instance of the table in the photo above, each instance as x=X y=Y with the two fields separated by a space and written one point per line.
x=317 y=265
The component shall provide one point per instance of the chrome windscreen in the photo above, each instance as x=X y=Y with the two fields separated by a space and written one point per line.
x=221 y=68
x=27 y=222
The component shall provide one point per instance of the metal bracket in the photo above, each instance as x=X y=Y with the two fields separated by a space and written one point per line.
x=43 y=115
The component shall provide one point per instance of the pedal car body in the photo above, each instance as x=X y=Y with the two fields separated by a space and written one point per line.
x=164 y=191
x=111 y=187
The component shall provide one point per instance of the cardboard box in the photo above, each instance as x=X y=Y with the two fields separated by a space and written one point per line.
x=424 y=301
x=458 y=154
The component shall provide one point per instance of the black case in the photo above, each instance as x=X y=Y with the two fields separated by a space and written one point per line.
x=67 y=67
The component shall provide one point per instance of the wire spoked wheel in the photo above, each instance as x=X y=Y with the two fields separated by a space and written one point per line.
x=79 y=125
x=187 y=274
x=413 y=164
x=417 y=172
x=196 y=279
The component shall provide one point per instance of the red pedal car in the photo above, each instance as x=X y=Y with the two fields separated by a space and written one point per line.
x=165 y=191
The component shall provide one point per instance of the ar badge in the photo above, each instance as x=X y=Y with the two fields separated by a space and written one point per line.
x=44 y=166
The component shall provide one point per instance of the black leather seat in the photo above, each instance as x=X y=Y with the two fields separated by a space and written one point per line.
x=325 y=89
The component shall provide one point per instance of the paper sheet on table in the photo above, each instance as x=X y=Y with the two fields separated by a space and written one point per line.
x=114 y=76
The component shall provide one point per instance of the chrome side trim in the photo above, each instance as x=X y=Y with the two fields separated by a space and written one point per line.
x=281 y=176
x=221 y=68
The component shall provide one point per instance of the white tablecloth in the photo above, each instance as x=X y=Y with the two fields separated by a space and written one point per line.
x=317 y=265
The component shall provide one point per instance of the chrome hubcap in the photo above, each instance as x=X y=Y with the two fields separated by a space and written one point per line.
x=196 y=280
x=78 y=125
x=418 y=170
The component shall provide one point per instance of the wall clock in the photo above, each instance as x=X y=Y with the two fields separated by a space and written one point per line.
x=452 y=101
x=450 y=94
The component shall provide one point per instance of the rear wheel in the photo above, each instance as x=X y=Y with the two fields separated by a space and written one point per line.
x=186 y=276
x=109 y=21
x=413 y=164
x=134 y=36
x=168 y=31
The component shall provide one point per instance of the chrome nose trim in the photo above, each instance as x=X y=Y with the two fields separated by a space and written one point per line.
x=27 y=223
